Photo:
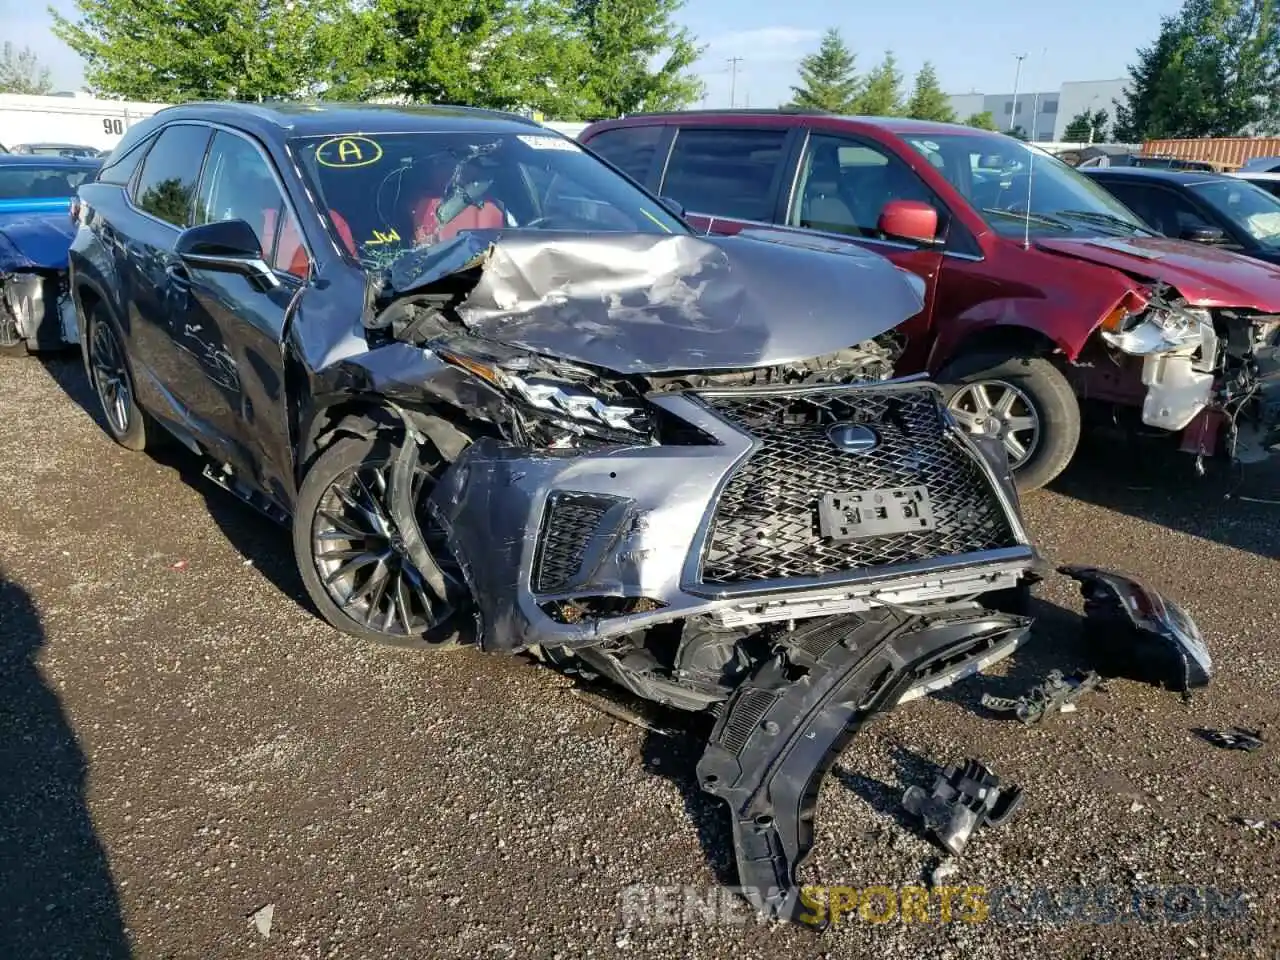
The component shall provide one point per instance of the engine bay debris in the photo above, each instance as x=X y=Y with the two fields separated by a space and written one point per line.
x=1235 y=738
x=965 y=796
x=1057 y=694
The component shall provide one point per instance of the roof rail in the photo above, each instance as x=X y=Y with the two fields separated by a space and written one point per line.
x=746 y=111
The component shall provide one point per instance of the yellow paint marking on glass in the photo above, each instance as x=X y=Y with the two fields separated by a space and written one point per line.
x=655 y=219
x=348 y=151
x=380 y=238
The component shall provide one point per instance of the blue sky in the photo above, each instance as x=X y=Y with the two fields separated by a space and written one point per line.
x=972 y=44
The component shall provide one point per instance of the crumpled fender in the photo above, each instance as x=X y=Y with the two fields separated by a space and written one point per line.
x=1169 y=645
x=786 y=725
x=1069 y=321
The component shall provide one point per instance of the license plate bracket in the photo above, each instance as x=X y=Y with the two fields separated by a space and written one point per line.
x=858 y=514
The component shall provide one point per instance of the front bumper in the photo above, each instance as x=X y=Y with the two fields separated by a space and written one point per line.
x=726 y=529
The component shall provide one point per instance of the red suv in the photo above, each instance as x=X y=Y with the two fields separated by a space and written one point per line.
x=1042 y=289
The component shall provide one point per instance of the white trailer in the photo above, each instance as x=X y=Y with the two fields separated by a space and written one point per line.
x=84 y=121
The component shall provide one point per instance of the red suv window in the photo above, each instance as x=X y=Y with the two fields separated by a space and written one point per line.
x=726 y=173
x=630 y=149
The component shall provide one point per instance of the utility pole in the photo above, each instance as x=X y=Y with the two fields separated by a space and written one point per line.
x=1017 y=78
x=733 y=80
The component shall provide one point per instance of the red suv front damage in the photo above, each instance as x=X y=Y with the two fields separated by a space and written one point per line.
x=1043 y=292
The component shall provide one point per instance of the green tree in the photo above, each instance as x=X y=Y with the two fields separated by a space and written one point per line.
x=882 y=94
x=828 y=80
x=1087 y=126
x=634 y=56
x=982 y=121
x=1213 y=70
x=21 y=71
x=928 y=102
x=204 y=49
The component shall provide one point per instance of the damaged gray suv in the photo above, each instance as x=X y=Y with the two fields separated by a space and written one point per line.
x=501 y=394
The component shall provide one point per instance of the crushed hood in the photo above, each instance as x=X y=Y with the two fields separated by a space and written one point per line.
x=640 y=303
x=35 y=241
x=1206 y=276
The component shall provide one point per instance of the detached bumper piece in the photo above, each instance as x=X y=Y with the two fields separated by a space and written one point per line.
x=786 y=725
x=963 y=799
x=1139 y=632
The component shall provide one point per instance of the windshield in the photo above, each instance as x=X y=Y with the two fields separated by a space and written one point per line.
x=391 y=193
x=994 y=172
x=36 y=181
x=1249 y=207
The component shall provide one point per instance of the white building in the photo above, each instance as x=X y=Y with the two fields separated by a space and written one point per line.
x=1043 y=115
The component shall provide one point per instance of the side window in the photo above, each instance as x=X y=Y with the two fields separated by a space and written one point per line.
x=167 y=183
x=630 y=149
x=1163 y=210
x=120 y=170
x=725 y=173
x=238 y=185
x=845 y=184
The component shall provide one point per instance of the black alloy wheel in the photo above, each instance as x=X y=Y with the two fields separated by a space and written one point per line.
x=353 y=557
x=113 y=384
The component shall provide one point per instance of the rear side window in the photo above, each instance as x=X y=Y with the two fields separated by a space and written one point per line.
x=725 y=173
x=119 y=170
x=167 y=184
x=630 y=149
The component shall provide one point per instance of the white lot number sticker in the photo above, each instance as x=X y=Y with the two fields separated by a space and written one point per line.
x=548 y=143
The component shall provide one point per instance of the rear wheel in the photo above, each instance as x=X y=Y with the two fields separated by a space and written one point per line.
x=112 y=379
x=1025 y=402
x=353 y=559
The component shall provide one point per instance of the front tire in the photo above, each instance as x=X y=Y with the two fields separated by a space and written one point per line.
x=1024 y=401
x=352 y=559
x=111 y=375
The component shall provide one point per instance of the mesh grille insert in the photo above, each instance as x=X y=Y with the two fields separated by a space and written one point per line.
x=766 y=521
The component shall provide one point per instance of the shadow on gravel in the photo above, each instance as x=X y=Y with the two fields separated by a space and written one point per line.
x=910 y=767
x=1151 y=480
x=253 y=535
x=676 y=759
x=56 y=890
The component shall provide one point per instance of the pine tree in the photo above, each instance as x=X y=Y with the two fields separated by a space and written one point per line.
x=928 y=102
x=882 y=94
x=828 y=81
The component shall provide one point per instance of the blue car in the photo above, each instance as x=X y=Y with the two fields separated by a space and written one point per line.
x=36 y=228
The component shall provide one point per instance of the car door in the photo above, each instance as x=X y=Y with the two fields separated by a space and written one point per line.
x=728 y=178
x=841 y=187
x=232 y=325
x=161 y=201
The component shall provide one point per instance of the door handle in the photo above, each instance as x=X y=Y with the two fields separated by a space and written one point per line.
x=178 y=275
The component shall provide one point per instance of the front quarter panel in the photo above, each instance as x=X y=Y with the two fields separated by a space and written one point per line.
x=1062 y=300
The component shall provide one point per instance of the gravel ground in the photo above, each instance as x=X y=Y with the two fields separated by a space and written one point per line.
x=182 y=744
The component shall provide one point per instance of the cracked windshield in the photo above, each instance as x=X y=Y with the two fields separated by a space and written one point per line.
x=1015 y=192
x=388 y=195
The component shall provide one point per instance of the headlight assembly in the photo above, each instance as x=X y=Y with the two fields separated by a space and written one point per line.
x=550 y=402
x=1165 y=327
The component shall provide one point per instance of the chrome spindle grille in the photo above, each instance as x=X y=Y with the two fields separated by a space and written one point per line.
x=766 y=521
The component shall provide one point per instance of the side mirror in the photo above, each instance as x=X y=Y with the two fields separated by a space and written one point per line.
x=909 y=220
x=675 y=206
x=229 y=246
x=1203 y=234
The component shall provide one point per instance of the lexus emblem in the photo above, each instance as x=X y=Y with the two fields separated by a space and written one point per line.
x=852 y=437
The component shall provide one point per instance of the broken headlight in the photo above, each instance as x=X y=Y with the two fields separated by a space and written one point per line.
x=1164 y=327
x=558 y=413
